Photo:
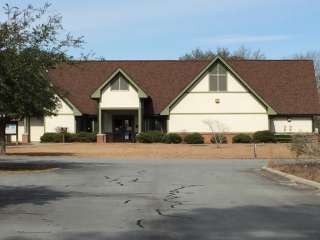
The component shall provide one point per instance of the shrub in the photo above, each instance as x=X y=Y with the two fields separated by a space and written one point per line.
x=172 y=138
x=83 y=137
x=305 y=145
x=242 y=138
x=51 y=137
x=220 y=138
x=150 y=137
x=283 y=138
x=263 y=136
x=193 y=138
x=68 y=137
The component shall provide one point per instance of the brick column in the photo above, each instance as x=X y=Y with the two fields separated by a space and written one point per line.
x=101 y=138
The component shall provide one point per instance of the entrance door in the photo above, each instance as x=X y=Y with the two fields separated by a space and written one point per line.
x=123 y=128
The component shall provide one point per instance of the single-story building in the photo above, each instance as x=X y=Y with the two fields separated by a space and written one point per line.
x=118 y=99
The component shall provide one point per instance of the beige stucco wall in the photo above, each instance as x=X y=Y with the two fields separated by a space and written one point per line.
x=119 y=99
x=292 y=125
x=64 y=118
x=236 y=110
x=220 y=122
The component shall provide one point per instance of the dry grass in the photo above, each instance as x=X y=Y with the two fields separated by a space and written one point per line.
x=154 y=151
x=307 y=170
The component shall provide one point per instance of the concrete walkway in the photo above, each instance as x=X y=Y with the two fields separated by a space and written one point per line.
x=117 y=199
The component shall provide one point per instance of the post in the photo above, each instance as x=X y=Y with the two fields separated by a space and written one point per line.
x=254 y=150
x=140 y=117
x=26 y=134
x=101 y=137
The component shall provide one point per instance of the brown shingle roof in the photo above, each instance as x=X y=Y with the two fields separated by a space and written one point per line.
x=287 y=86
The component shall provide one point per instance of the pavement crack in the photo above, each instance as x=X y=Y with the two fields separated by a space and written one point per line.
x=139 y=223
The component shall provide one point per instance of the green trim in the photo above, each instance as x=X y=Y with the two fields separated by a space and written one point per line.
x=76 y=111
x=97 y=93
x=215 y=92
x=231 y=113
x=120 y=108
x=166 y=110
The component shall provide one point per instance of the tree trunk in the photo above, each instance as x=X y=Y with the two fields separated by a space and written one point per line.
x=2 y=136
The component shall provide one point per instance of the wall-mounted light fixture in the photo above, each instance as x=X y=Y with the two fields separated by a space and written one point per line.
x=217 y=100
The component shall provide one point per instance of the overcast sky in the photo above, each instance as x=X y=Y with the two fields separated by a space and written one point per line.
x=166 y=29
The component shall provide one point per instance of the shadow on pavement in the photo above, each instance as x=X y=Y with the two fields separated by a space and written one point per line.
x=28 y=194
x=249 y=222
x=41 y=154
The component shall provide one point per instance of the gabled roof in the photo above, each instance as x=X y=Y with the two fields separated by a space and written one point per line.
x=288 y=86
x=119 y=71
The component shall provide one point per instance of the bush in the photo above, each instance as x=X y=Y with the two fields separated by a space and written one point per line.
x=68 y=137
x=83 y=137
x=194 y=138
x=242 y=138
x=51 y=137
x=263 y=136
x=220 y=138
x=150 y=137
x=172 y=138
x=283 y=138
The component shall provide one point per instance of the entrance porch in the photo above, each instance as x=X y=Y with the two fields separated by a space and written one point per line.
x=119 y=125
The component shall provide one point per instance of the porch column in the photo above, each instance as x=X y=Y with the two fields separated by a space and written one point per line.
x=26 y=134
x=140 y=116
x=101 y=138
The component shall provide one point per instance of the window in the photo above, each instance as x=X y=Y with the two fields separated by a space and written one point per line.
x=120 y=84
x=218 y=79
x=155 y=124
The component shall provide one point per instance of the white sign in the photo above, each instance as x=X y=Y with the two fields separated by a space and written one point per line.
x=11 y=129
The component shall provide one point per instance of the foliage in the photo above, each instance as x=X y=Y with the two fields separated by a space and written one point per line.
x=172 y=138
x=242 y=138
x=263 y=136
x=194 y=138
x=54 y=137
x=83 y=137
x=150 y=137
x=240 y=53
x=31 y=43
x=218 y=138
x=304 y=145
x=283 y=138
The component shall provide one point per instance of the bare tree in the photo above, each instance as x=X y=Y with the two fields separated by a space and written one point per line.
x=217 y=128
x=241 y=53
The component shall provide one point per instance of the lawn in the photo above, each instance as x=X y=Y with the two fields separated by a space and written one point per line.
x=155 y=151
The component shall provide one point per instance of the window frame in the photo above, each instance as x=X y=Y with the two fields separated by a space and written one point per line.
x=117 y=82
x=216 y=74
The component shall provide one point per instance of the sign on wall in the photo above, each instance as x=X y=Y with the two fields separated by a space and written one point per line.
x=11 y=128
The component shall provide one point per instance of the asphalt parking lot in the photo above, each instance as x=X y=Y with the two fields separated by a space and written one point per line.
x=97 y=199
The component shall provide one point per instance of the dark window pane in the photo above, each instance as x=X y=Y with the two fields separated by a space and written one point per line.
x=222 y=69
x=222 y=83
x=215 y=69
x=213 y=83
x=115 y=84
x=124 y=84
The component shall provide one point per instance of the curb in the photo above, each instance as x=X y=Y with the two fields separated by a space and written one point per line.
x=293 y=178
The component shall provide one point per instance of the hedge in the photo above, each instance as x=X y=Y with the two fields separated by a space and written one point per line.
x=172 y=138
x=263 y=137
x=68 y=137
x=218 y=137
x=242 y=138
x=283 y=138
x=194 y=138
x=150 y=137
